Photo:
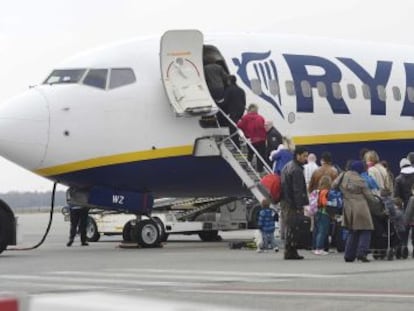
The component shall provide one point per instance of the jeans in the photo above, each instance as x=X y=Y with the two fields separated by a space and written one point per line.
x=357 y=243
x=322 y=222
x=268 y=239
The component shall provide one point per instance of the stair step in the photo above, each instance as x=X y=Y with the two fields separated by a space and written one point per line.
x=238 y=160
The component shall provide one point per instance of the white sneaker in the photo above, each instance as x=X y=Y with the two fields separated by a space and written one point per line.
x=320 y=252
x=276 y=249
x=259 y=250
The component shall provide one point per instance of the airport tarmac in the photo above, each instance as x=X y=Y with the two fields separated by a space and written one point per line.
x=186 y=270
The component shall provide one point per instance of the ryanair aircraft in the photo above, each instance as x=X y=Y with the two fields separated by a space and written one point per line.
x=123 y=124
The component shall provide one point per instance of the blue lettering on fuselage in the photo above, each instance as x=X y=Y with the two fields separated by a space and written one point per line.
x=314 y=69
x=381 y=77
x=298 y=67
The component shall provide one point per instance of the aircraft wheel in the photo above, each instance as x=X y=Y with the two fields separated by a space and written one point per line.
x=161 y=227
x=6 y=227
x=147 y=233
x=92 y=234
x=127 y=232
x=209 y=236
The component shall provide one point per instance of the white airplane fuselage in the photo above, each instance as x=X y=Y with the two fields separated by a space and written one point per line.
x=130 y=138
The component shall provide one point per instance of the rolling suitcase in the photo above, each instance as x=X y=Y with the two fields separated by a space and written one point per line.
x=304 y=234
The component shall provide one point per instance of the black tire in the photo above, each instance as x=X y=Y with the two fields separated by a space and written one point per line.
x=147 y=233
x=92 y=234
x=127 y=232
x=6 y=228
x=209 y=236
x=161 y=227
x=253 y=217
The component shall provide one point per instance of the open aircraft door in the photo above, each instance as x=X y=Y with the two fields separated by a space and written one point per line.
x=183 y=74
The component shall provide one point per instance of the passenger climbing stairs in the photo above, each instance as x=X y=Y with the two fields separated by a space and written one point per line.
x=236 y=157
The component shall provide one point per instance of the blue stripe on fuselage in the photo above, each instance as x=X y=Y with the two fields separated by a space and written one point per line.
x=187 y=176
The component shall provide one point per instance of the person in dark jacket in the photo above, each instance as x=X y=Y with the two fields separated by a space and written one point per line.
x=295 y=197
x=215 y=76
x=234 y=105
x=402 y=189
x=273 y=140
x=252 y=125
x=78 y=221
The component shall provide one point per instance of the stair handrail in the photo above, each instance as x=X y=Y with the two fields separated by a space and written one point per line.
x=245 y=140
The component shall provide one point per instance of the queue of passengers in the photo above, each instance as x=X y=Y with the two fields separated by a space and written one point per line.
x=362 y=183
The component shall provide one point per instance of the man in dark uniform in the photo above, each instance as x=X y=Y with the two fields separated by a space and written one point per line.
x=234 y=104
x=78 y=219
x=295 y=197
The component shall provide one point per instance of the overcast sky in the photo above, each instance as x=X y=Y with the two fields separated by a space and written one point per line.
x=36 y=35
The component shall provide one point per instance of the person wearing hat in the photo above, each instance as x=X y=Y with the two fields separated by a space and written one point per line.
x=402 y=190
x=356 y=214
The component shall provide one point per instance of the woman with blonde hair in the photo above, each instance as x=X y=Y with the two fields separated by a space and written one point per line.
x=377 y=171
x=282 y=155
x=322 y=218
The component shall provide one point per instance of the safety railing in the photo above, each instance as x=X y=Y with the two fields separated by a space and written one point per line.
x=246 y=141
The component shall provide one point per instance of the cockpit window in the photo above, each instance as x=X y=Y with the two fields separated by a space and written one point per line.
x=65 y=76
x=121 y=77
x=96 y=78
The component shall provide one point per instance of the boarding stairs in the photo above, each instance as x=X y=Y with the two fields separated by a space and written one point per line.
x=237 y=158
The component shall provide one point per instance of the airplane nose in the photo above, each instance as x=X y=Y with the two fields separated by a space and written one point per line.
x=24 y=127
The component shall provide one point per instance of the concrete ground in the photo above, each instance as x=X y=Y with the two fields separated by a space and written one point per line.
x=186 y=274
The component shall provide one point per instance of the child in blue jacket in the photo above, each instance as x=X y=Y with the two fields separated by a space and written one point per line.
x=266 y=224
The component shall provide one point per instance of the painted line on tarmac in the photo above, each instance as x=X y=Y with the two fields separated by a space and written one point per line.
x=309 y=293
x=235 y=273
x=174 y=276
x=73 y=287
x=115 y=282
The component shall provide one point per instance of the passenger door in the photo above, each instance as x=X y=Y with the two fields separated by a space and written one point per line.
x=182 y=73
